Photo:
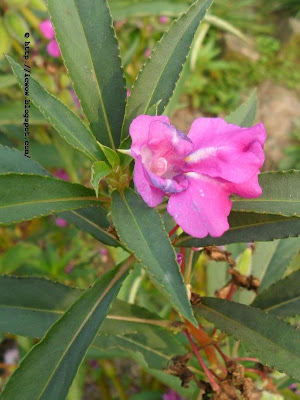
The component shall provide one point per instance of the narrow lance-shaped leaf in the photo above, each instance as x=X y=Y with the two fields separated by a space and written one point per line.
x=158 y=78
x=248 y=227
x=27 y=196
x=280 y=195
x=282 y=298
x=63 y=120
x=55 y=360
x=29 y=306
x=92 y=220
x=90 y=51
x=269 y=262
x=274 y=342
x=141 y=230
x=245 y=114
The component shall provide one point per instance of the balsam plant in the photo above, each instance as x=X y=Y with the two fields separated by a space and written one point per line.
x=185 y=349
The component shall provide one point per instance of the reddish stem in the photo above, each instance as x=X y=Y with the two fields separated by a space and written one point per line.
x=225 y=358
x=172 y=231
x=210 y=377
x=256 y=371
x=182 y=266
x=232 y=291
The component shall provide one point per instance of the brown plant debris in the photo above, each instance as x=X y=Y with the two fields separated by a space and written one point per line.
x=216 y=254
x=179 y=368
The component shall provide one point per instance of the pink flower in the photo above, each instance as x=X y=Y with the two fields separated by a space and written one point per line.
x=147 y=53
x=61 y=174
x=163 y=19
x=60 y=222
x=198 y=172
x=179 y=258
x=47 y=30
x=172 y=395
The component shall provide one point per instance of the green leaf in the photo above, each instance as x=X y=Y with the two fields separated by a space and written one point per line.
x=269 y=262
x=29 y=306
x=56 y=358
x=67 y=124
x=274 y=342
x=282 y=298
x=12 y=160
x=99 y=170
x=27 y=196
x=12 y=114
x=90 y=51
x=124 y=9
x=92 y=220
x=111 y=155
x=245 y=114
x=272 y=259
x=248 y=227
x=158 y=78
x=141 y=229
x=281 y=195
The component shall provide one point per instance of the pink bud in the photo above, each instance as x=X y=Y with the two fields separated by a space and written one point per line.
x=61 y=174
x=163 y=19
x=53 y=49
x=147 y=53
x=61 y=223
x=47 y=29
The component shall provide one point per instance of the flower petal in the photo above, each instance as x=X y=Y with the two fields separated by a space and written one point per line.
x=53 y=49
x=249 y=189
x=47 y=29
x=165 y=139
x=167 y=185
x=203 y=208
x=226 y=151
x=139 y=131
x=150 y=194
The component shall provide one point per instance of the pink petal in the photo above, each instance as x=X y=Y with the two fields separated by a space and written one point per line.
x=249 y=189
x=53 y=49
x=139 y=131
x=47 y=29
x=150 y=194
x=165 y=138
x=203 y=208
x=226 y=151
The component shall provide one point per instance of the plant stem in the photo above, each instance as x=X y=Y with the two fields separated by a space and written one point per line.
x=225 y=358
x=182 y=267
x=209 y=375
x=172 y=231
x=206 y=343
x=188 y=271
x=246 y=359
x=232 y=291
